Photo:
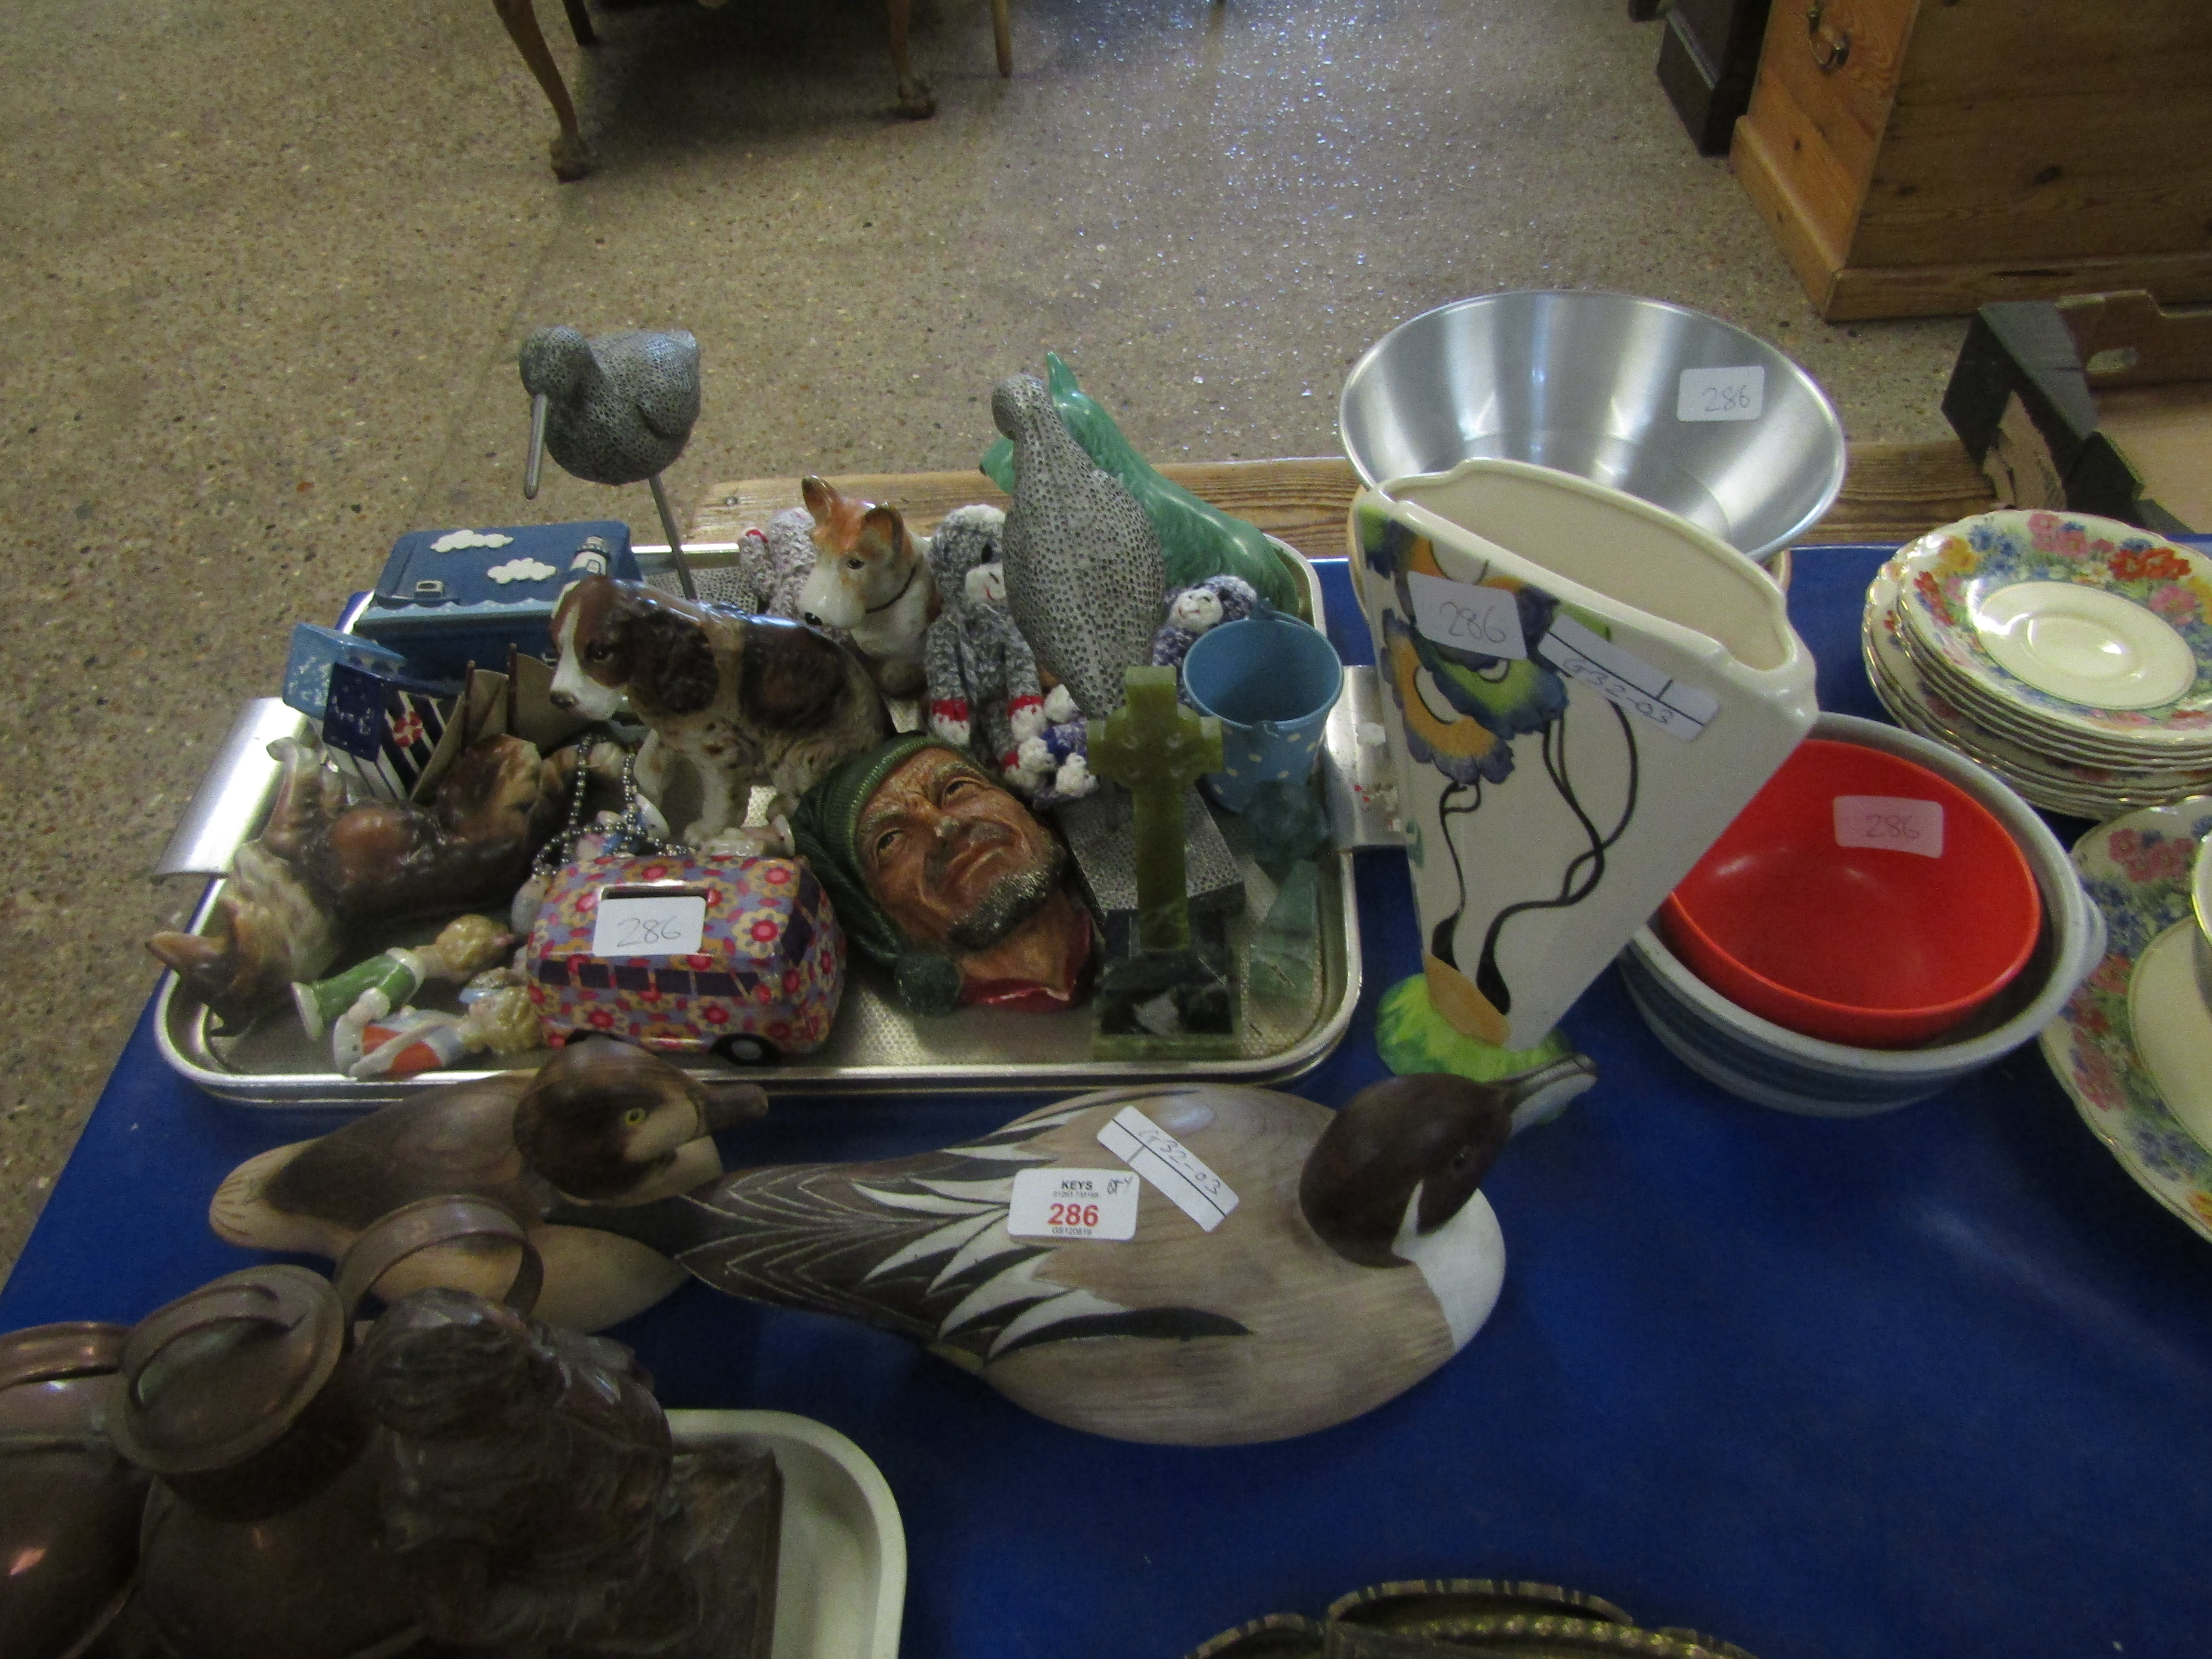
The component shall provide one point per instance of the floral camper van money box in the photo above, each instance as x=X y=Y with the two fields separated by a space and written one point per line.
x=741 y=957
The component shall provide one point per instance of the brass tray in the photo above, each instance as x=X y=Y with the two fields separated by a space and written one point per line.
x=875 y=1047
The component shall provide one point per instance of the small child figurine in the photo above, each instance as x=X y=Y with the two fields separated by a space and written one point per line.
x=497 y=1014
x=344 y=1003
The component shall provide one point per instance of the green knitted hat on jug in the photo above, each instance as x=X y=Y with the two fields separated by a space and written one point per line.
x=826 y=828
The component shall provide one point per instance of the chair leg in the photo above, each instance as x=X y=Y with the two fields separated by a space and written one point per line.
x=915 y=101
x=571 y=158
x=580 y=22
x=1002 y=32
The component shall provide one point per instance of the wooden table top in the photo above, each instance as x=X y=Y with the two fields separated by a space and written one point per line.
x=1892 y=492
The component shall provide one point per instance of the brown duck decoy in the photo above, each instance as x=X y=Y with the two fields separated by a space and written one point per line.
x=318 y=1196
x=1354 y=1257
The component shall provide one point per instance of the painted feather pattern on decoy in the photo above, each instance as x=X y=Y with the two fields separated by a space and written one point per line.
x=920 y=1247
x=1287 y=1266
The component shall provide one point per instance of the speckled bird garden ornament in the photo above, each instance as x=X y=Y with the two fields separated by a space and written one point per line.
x=1197 y=538
x=1273 y=1267
x=615 y=410
x=1084 y=574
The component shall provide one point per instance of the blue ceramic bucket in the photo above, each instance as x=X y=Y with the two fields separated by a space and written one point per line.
x=1271 y=681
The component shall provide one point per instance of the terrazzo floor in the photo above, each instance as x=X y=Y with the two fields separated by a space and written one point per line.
x=264 y=269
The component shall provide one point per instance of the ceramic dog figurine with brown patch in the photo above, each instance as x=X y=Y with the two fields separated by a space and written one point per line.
x=746 y=700
x=872 y=580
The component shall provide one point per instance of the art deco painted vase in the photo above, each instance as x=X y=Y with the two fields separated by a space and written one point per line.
x=1583 y=690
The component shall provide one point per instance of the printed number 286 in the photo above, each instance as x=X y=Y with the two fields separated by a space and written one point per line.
x=1072 y=1215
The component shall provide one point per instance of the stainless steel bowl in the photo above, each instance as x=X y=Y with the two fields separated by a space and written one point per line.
x=1651 y=399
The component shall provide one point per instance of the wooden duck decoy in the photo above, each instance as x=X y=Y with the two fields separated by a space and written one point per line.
x=319 y=1196
x=1355 y=1255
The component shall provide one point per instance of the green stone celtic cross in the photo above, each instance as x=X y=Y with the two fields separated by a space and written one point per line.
x=1155 y=749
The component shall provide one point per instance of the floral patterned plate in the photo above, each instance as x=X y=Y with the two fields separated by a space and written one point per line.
x=2136 y=870
x=1994 y=601
x=2054 y=781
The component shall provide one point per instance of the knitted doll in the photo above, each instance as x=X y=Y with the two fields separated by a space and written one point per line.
x=1196 y=609
x=773 y=565
x=983 y=692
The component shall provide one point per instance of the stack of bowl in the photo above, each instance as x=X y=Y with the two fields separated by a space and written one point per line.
x=1762 y=1060
x=1661 y=402
x=2071 y=655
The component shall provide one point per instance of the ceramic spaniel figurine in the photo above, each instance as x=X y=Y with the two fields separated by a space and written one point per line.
x=982 y=691
x=745 y=700
x=1286 y=1267
x=872 y=582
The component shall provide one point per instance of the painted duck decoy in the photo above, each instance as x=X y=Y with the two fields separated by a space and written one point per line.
x=1355 y=1255
x=615 y=409
x=319 y=1196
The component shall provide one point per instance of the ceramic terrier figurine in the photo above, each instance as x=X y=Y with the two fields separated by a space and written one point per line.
x=983 y=692
x=1084 y=574
x=871 y=581
x=1288 y=1267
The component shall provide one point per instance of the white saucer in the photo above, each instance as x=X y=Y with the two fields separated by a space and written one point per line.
x=2087 y=644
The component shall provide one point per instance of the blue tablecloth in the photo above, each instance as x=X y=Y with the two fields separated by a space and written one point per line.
x=1937 y=1383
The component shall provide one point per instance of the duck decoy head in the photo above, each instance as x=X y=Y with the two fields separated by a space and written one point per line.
x=601 y=1118
x=1434 y=1135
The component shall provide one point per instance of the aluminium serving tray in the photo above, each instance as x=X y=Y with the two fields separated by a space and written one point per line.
x=875 y=1046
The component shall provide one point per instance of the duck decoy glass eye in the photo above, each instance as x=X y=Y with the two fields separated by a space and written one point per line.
x=634 y=1116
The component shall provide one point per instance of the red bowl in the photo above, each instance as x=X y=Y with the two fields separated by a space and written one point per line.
x=1823 y=909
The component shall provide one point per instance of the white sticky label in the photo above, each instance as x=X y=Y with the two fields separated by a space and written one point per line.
x=657 y=924
x=1721 y=394
x=1073 y=1203
x=1635 y=684
x=1169 y=1165
x=1905 y=826
x=1465 y=617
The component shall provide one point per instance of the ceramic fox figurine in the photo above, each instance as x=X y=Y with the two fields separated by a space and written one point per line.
x=1288 y=1267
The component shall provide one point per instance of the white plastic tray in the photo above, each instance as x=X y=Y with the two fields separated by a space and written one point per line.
x=841 y=1577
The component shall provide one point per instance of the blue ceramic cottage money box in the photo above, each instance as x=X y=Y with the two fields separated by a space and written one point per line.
x=450 y=597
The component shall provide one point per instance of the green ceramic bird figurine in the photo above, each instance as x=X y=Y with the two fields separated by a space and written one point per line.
x=318 y=1196
x=1286 y=1266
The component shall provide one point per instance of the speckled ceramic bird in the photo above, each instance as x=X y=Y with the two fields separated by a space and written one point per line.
x=1355 y=1256
x=317 y=1196
x=1084 y=573
x=615 y=409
